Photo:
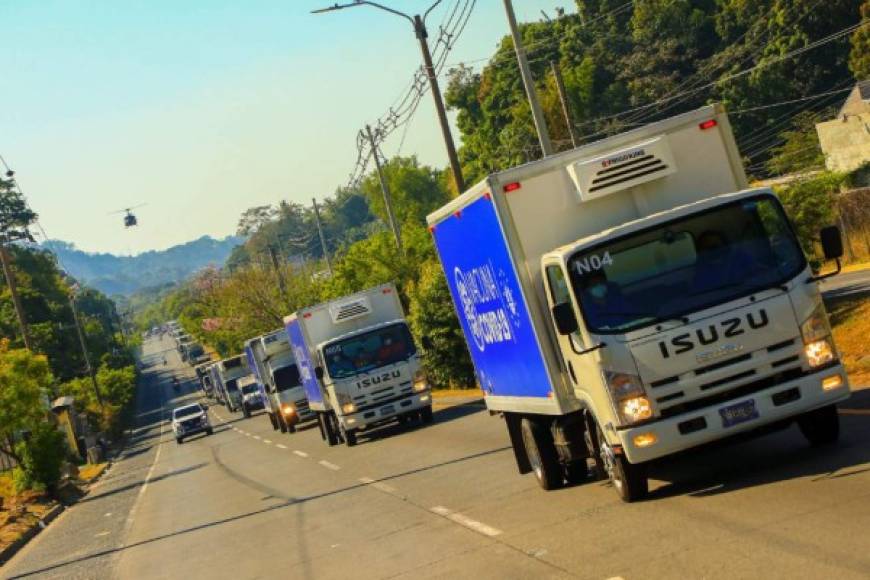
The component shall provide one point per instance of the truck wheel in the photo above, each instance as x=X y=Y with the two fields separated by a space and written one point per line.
x=822 y=426
x=426 y=415
x=335 y=427
x=349 y=437
x=628 y=479
x=331 y=435
x=209 y=431
x=246 y=412
x=273 y=422
x=179 y=440
x=282 y=424
x=542 y=454
x=577 y=472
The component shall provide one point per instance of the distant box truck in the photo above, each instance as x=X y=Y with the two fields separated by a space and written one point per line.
x=359 y=364
x=225 y=378
x=271 y=360
x=622 y=303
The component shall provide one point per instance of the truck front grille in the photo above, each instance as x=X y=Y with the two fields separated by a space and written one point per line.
x=727 y=379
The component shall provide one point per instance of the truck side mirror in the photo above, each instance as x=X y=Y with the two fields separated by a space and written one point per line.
x=426 y=342
x=318 y=372
x=832 y=242
x=563 y=315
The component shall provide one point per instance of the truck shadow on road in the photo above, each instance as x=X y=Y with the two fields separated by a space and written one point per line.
x=744 y=463
x=440 y=416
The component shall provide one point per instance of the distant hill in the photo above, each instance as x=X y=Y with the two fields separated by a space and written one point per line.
x=126 y=274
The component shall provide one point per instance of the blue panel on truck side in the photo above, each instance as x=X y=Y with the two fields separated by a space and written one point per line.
x=252 y=364
x=490 y=304
x=303 y=360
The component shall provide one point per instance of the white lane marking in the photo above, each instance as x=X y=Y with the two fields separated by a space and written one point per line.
x=279 y=446
x=257 y=437
x=149 y=475
x=386 y=488
x=329 y=465
x=267 y=442
x=616 y=578
x=108 y=514
x=300 y=453
x=101 y=534
x=247 y=434
x=466 y=521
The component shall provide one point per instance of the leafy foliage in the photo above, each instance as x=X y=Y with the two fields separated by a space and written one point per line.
x=16 y=217
x=800 y=149
x=25 y=382
x=40 y=458
x=859 y=57
x=809 y=204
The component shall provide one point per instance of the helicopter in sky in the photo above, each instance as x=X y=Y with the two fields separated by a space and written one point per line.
x=129 y=218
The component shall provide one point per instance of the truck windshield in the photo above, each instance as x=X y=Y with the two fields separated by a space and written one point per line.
x=232 y=386
x=196 y=350
x=249 y=389
x=286 y=378
x=368 y=351
x=685 y=265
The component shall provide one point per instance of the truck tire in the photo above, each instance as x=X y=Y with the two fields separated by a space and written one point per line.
x=426 y=415
x=291 y=429
x=273 y=421
x=822 y=426
x=542 y=454
x=577 y=472
x=282 y=424
x=331 y=435
x=349 y=436
x=209 y=431
x=628 y=479
x=179 y=440
x=246 y=412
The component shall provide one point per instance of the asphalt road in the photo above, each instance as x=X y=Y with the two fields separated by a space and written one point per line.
x=846 y=285
x=446 y=501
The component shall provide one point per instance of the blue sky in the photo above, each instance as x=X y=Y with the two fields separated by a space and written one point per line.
x=202 y=109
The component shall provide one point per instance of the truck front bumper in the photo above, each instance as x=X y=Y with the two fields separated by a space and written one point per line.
x=781 y=402
x=388 y=410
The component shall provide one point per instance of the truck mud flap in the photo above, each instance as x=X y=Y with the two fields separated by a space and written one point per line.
x=513 y=421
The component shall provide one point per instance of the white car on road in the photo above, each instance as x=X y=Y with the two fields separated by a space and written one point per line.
x=189 y=420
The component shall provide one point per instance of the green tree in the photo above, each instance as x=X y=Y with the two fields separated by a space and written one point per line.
x=16 y=217
x=25 y=382
x=809 y=204
x=800 y=149
x=859 y=56
x=415 y=190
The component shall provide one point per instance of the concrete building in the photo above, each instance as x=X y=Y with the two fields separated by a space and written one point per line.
x=845 y=140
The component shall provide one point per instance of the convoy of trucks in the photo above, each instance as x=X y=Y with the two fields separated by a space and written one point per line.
x=622 y=302
x=630 y=299
x=359 y=364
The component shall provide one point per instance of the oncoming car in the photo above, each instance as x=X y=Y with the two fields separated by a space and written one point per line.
x=189 y=420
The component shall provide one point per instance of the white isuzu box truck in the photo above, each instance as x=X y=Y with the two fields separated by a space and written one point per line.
x=271 y=360
x=359 y=364
x=625 y=300
x=225 y=377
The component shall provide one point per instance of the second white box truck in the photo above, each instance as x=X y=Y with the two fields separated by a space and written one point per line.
x=359 y=364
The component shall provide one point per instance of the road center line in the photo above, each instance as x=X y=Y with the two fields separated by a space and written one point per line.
x=279 y=446
x=379 y=485
x=267 y=441
x=466 y=521
x=329 y=465
x=300 y=453
x=257 y=437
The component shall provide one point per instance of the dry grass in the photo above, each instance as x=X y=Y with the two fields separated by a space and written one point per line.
x=850 y=319
x=89 y=473
x=18 y=512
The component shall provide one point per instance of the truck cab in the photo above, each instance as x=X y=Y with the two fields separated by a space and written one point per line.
x=227 y=373
x=359 y=364
x=631 y=299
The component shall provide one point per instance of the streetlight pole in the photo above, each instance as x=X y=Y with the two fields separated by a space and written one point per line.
x=385 y=189
x=529 y=82
x=419 y=24
x=84 y=346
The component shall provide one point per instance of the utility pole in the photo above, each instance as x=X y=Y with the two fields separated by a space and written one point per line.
x=16 y=299
x=419 y=24
x=84 y=346
x=322 y=238
x=385 y=189
x=529 y=82
x=563 y=98
x=281 y=284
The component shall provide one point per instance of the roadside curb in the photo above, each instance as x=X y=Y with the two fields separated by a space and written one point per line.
x=13 y=548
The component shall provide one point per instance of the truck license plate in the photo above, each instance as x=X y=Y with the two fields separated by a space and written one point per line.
x=739 y=413
x=388 y=410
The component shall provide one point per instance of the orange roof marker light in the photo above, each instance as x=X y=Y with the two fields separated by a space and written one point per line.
x=513 y=186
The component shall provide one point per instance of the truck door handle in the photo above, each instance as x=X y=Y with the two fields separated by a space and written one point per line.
x=571 y=372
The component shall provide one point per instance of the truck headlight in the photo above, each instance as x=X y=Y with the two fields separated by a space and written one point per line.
x=627 y=393
x=818 y=342
x=348 y=408
x=819 y=352
x=288 y=409
x=421 y=382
